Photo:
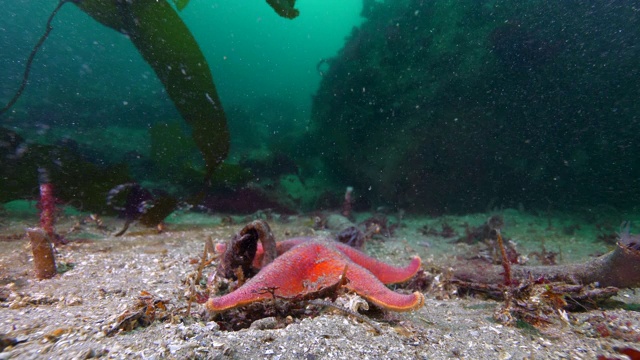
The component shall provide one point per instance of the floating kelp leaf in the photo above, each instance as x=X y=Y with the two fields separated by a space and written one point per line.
x=284 y=8
x=165 y=42
x=180 y=4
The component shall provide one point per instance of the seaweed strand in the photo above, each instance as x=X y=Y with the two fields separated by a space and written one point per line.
x=32 y=55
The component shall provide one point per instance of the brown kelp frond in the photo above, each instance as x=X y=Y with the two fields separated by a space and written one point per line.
x=167 y=45
x=284 y=8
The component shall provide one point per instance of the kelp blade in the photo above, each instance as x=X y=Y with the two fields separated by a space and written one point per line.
x=165 y=42
x=284 y=8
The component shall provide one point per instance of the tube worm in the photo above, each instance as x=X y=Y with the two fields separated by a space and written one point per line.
x=47 y=206
x=43 y=259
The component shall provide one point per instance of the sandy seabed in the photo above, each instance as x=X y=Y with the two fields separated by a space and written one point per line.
x=69 y=316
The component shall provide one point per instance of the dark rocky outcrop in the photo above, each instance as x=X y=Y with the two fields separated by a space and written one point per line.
x=463 y=105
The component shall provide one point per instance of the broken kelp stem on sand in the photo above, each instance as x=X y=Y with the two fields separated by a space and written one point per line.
x=619 y=268
x=43 y=259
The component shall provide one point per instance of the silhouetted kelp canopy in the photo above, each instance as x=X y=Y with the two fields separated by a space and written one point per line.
x=168 y=46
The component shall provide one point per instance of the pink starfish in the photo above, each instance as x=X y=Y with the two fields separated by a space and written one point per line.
x=305 y=267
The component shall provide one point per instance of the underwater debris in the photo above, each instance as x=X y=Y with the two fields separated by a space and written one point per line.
x=143 y=313
x=618 y=268
x=134 y=203
x=535 y=300
x=447 y=231
x=357 y=235
x=353 y=236
x=482 y=232
x=194 y=279
x=544 y=256
x=610 y=238
x=6 y=341
x=532 y=293
x=379 y=224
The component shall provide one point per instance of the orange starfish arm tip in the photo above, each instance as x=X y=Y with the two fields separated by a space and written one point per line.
x=409 y=303
x=386 y=273
x=222 y=303
x=365 y=284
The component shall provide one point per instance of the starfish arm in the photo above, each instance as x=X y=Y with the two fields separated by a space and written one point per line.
x=386 y=273
x=303 y=270
x=365 y=284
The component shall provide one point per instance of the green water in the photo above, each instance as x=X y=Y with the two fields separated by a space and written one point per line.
x=253 y=53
